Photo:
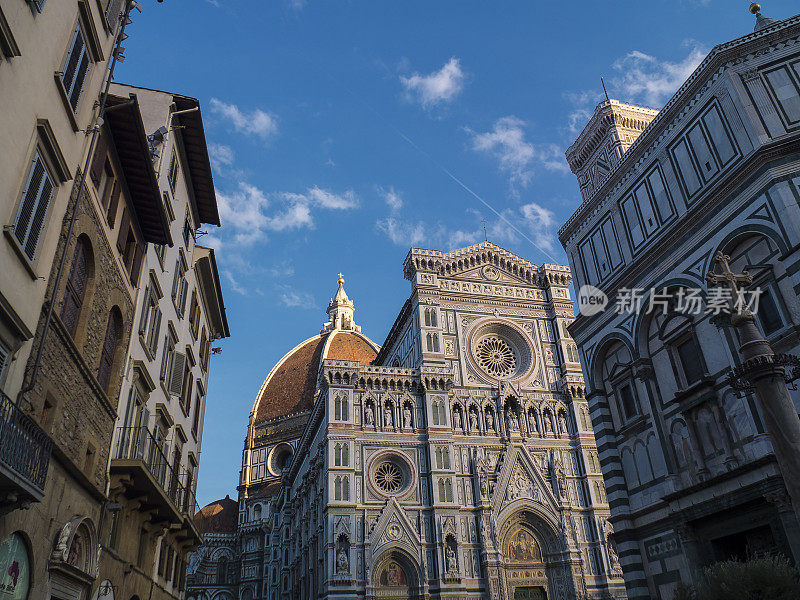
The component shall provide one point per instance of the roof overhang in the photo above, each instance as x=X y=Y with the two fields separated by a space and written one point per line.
x=124 y=121
x=196 y=150
x=208 y=276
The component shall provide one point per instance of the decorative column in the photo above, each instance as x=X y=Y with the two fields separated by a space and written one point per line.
x=780 y=500
x=763 y=372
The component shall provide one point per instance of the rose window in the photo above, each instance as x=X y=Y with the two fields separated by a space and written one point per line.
x=495 y=356
x=388 y=477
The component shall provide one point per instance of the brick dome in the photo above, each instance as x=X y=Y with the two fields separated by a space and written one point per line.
x=220 y=516
x=290 y=387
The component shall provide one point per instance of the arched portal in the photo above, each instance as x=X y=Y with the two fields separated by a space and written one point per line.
x=531 y=551
x=396 y=577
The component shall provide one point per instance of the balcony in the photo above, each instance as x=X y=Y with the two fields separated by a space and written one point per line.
x=24 y=457
x=141 y=470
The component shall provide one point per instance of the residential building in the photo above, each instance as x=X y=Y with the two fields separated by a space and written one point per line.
x=74 y=398
x=455 y=461
x=689 y=466
x=179 y=313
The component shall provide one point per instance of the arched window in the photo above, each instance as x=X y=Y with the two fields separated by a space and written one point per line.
x=341 y=408
x=345 y=455
x=345 y=488
x=337 y=455
x=429 y=342
x=337 y=488
x=434 y=320
x=427 y=317
x=75 y=290
x=445 y=458
x=222 y=570
x=441 y=490
x=435 y=343
x=109 y=349
x=435 y=411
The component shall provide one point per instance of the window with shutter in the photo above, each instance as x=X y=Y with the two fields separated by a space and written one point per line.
x=113 y=13
x=152 y=338
x=146 y=307
x=172 y=174
x=4 y=360
x=39 y=4
x=75 y=290
x=75 y=68
x=108 y=350
x=33 y=207
x=176 y=376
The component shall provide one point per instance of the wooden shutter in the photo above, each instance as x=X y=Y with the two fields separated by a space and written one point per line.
x=136 y=266
x=184 y=293
x=99 y=159
x=124 y=225
x=176 y=377
x=145 y=311
x=38 y=218
x=113 y=11
x=80 y=79
x=156 y=329
x=107 y=352
x=29 y=198
x=78 y=45
x=75 y=288
x=4 y=362
x=113 y=204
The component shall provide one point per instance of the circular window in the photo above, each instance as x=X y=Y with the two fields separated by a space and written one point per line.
x=280 y=458
x=388 y=477
x=495 y=356
x=390 y=474
x=501 y=351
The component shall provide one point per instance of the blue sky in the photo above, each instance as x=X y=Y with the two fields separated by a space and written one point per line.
x=344 y=132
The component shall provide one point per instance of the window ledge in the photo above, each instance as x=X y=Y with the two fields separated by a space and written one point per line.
x=696 y=393
x=26 y=262
x=62 y=93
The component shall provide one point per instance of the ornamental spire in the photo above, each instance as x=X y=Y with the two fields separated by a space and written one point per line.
x=761 y=20
x=340 y=311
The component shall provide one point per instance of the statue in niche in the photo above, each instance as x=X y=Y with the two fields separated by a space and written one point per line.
x=388 y=416
x=489 y=420
x=407 y=416
x=342 y=562
x=548 y=424
x=457 y=419
x=513 y=421
x=369 y=415
x=473 y=420
x=450 y=557
x=562 y=420
x=532 y=423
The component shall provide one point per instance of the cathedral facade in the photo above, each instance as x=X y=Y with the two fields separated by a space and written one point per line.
x=457 y=460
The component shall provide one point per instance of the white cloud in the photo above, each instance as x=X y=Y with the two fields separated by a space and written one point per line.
x=401 y=232
x=517 y=156
x=440 y=86
x=392 y=198
x=326 y=199
x=221 y=156
x=645 y=78
x=249 y=214
x=256 y=122
x=297 y=299
x=541 y=224
x=234 y=284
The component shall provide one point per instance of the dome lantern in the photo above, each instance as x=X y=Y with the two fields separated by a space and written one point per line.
x=340 y=311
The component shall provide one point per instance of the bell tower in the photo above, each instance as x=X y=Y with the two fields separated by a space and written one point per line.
x=613 y=129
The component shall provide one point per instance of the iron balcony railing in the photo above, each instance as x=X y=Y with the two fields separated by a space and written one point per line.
x=24 y=448
x=139 y=443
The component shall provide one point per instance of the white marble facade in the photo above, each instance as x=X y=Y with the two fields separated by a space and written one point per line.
x=459 y=464
x=689 y=469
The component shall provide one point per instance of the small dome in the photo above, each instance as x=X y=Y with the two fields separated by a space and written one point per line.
x=221 y=516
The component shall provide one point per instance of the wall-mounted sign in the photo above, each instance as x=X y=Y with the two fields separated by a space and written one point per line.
x=15 y=578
